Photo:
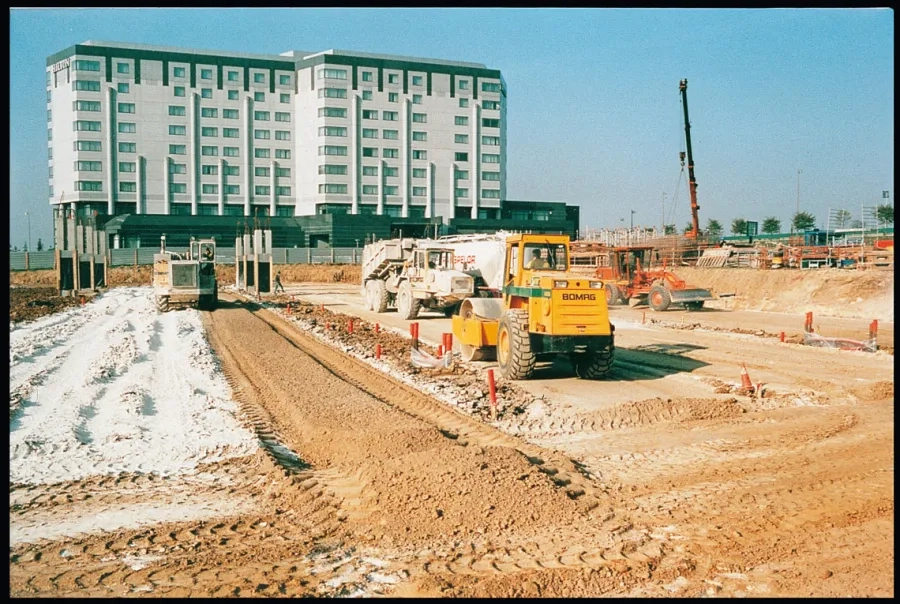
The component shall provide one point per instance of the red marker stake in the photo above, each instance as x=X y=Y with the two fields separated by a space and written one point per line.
x=492 y=387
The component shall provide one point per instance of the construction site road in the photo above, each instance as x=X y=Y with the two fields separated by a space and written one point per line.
x=664 y=479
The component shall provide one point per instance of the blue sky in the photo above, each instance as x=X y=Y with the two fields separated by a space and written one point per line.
x=594 y=113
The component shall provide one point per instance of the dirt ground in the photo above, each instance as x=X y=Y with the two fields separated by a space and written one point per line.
x=376 y=477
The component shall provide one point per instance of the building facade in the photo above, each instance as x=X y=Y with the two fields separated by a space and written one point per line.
x=135 y=129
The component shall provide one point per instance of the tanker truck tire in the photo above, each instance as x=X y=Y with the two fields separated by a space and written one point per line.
x=514 y=354
x=593 y=365
x=613 y=297
x=659 y=298
x=407 y=305
x=381 y=297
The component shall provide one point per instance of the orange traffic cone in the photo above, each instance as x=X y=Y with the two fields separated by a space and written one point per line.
x=746 y=384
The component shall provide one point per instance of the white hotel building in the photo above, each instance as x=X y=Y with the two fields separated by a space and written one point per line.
x=135 y=129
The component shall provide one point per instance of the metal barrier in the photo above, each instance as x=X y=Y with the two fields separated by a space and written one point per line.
x=22 y=261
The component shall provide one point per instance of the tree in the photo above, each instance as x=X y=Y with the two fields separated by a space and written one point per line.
x=885 y=213
x=802 y=221
x=688 y=228
x=842 y=217
x=25 y=247
x=739 y=226
x=771 y=225
x=16 y=249
x=714 y=228
x=40 y=245
x=668 y=229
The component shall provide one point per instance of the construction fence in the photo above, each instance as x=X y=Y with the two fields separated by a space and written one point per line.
x=33 y=261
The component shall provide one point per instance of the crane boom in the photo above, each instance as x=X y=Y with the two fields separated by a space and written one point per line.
x=695 y=221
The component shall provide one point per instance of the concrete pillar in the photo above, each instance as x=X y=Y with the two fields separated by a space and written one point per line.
x=89 y=246
x=79 y=239
x=117 y=243
x=267 y=240
x=429 y=195
x=194 y=132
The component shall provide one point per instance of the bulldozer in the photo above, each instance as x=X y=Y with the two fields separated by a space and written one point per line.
x=183 y=280
x=543 y=309
x=626 y=280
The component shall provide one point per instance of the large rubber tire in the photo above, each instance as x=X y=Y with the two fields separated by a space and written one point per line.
x=407 y=305
x=659 y=298
x=613 y=295
x=381 y=297
x=514 y=354
x=367 y=293
x=697 y=305
x=214 y=300
x=594 y=365
x=162 y=303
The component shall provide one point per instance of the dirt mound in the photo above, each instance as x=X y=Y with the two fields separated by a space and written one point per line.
x=316 y=273
x=830 y=292
x=30 y=303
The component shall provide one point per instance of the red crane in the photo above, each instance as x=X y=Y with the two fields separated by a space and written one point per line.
x=682 y=86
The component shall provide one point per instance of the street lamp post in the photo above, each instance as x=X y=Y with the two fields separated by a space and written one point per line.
x=28 y=216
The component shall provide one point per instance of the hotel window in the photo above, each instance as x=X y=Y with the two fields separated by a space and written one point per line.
x=490 y=87
x=261 y=116
x=391 y=190
x=230 y=114
x=333 y=169
x=127 y=187
x=89 y=185
x=178 y=169
x=282 y=135
x=89 y=85
x=490 y=158
x=285 y=98
x=490 y=176
x=232 y=189
x=370 y=132
x=332 y=112
x=488 y=122
x=366 y=94
x=209 y=112
x=126 y=107
x=82 y=65
x=259 y=78
x=127 y=127
x=206 y=74
x=367 y=76
x=262 y=190
x=393 y=97
x=282 y=116
x=233 y=76
x=420 y=136
x=261 y=153
x=230 y=133
x=391 y=135
x=390 y=172
x=177 y=110
x=461 y=138
x=175 y=130
x=210 y=189
x=122 y=68
x=206 y=93
x=282 y=153
x=258 y=171
x=419 y=154
x=332 y=131
x=178 y=187
x=178 y=72
x=208 y=131
x=123 y=88
x=209 y=151
x=335 y=74
x=390 y=153
x=370 y=170
x=93 y=145
x=370 y=114
x=389 y=116
x=259 y=97
x=461 y=157
x=209 y=170
x=461 y=192
x=490 y=193
x=232 y=170
x=233 y=95
x=178 y=91
x=178 y=149
x=492 y=141
x=333 y=188
x=284 y=80
x=419 y=118
x=417 y=80
x=393 y=78
x=87 y=106
x=230 y=151
x=463 y=102
x=127 y=166
x=370 y=190
x=419 y=191
x=284 y=191
x=261 y=134
x=369 y=152
x=461 y=175
x=88 y=166
x=461 y=120
x=491 y=104
x=333 y=93
x=417 y=99
x=419 y=173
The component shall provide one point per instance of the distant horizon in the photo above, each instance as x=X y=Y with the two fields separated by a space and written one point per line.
x=771 y=92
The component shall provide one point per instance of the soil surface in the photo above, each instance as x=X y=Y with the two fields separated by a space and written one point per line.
x=375 y=476
x=29 y=303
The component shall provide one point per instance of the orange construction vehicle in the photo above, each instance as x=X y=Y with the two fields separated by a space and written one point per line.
x=625 y=279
